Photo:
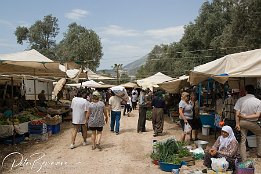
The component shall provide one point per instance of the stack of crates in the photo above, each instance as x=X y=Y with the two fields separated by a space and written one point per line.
x=38 y=132
x=54 y=128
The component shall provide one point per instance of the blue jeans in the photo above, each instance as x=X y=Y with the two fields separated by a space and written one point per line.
x=115 y=117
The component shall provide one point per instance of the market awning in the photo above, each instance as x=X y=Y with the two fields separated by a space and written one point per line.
x=31 y=63
x=173 y=86
x=153 y=81
x=90 y=84
x=244 y=64
x=129 y=85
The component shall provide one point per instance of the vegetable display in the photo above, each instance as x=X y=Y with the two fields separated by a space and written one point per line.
x=170 y=151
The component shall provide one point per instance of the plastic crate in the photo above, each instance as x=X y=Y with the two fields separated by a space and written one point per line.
x=243 y=170
x=37 y=129
x=55 y=128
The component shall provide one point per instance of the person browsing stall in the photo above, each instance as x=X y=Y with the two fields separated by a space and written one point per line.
x=196 y=120
x=42 y=99
x=185 y=113
x=158 y=104
x=248 y=109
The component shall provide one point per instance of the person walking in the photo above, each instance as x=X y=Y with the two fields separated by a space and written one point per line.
x=185 y=113
x=142 y=113
x=248 y=109
x=79 y=108
x=128 y=107
x=115 y=107
x=97 y=117
x=134 y=98
x=158 y=104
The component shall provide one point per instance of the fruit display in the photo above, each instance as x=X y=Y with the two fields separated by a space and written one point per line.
x=36 y=122
x=22 y=117
x=53 y=120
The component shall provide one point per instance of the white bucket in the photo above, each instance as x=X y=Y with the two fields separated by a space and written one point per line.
x=251 y=141
x=205 y=129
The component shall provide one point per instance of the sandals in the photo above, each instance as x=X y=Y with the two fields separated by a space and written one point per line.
x=99 y=147
x=93 y=147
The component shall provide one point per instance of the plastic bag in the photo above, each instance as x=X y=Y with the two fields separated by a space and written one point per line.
x=219 y=164
x=121 y=92
x=187 y=128
x=198 y=153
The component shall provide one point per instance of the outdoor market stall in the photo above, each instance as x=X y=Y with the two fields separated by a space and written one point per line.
x=174 y=86
x=153 y=80
x=244 y=66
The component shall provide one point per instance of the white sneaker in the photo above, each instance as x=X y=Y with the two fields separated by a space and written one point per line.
x=72 y=146
x=84 y=143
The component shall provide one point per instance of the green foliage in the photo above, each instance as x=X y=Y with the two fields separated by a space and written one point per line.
x=170 y=151
x=40 y=35
x=81 y=45
x=222 y=27
x=124 y=78
x=155 y=156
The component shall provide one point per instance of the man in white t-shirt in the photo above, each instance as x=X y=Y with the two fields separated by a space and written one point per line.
x=79 y=108
x=115 y=107
x=248 y=109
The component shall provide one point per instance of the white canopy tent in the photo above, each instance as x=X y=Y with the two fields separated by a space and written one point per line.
x=244 y=64
x=84 y=74
x=173 y=86
x=31 y=63
x=90 y=84
x=152 y=81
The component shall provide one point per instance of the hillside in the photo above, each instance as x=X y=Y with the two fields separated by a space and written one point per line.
x=133 y=67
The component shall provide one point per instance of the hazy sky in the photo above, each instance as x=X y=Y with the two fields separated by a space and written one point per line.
x=128 y=29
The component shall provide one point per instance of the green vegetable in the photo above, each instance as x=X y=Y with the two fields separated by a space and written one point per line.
x=170 y=151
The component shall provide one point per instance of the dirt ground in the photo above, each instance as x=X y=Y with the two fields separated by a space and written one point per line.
x=126 y=153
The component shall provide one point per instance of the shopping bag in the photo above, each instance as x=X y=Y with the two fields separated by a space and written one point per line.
x=187 y=128
x=219 y=164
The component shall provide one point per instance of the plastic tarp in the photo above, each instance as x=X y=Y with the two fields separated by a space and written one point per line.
x=173 y=86
x=58 y=86
x=244 y=64
x=154 y=80
x=129 y=85
x=8 y=130
x=84 y=74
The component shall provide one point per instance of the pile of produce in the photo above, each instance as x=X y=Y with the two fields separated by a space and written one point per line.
x=36 y=122
x=170 y=151
x=22 y=117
